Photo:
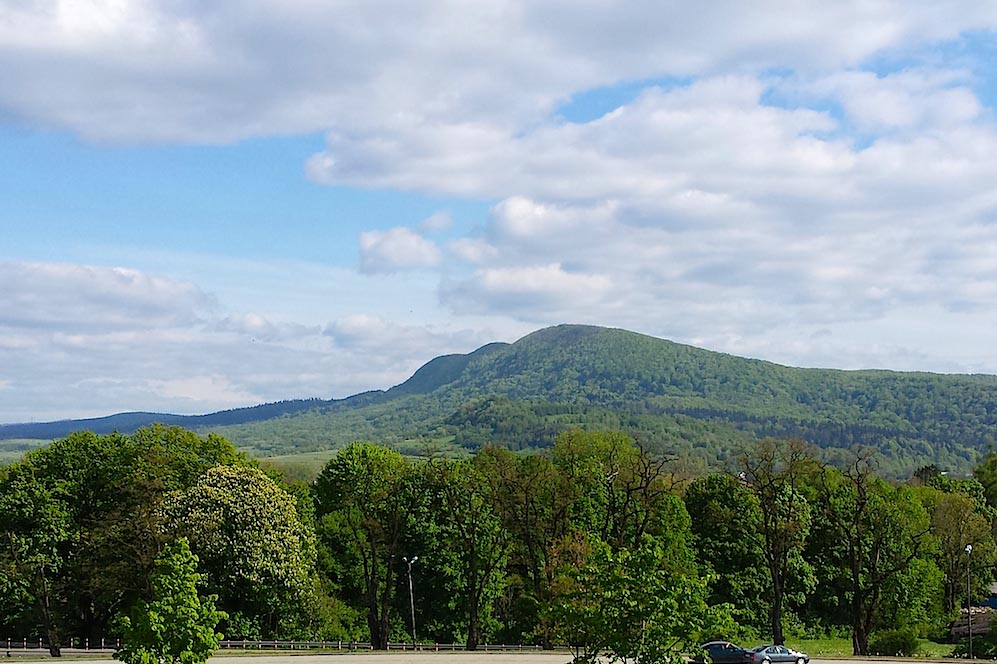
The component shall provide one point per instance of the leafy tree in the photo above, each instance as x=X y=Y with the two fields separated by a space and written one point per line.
x=176 y=626
x=726 y=525
x=775 y=470
x=884 y=530
x=533 y=500
x=633 y=605
x=957 y=522
x=36 y=529
x=986 y=474
x=255 y=551
x=620 y=490
x=475 y=546
x=107 y=492
x=363 y=500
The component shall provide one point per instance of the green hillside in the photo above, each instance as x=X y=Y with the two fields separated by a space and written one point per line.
x=674 y=397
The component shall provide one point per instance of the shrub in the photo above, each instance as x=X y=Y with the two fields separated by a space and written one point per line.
x=895 y=643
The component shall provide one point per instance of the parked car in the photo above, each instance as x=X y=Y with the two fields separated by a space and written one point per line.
x=721 y=652
x=768 y=653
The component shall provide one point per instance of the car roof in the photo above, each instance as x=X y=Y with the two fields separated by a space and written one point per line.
x=716 y=643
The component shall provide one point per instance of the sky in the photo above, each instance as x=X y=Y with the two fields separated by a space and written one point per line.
x=212 y=205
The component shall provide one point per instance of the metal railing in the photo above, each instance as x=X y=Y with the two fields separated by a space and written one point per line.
x=84 y=645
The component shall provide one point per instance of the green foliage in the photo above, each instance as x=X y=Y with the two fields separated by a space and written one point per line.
x=634 y=606
x=101 y=495
x=726 y=520
x=176 y=626
x=887 y=535
x=255 y=551
x=364 y=501
x=895 y=643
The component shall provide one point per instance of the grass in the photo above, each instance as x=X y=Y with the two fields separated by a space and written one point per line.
x=13 y=449
x=842 y=647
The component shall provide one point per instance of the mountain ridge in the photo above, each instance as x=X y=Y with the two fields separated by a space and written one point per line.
x=682 y=397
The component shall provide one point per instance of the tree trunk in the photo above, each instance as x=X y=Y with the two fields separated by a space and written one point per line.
x=473 y=622
x=54 y=642
x=860 y=637
x=374 y=625
x=777 y=636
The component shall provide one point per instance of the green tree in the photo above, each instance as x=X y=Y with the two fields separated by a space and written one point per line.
x=176 y=626
x=776 y=471
x=36 y=529
x=634 y=605
x=254 y=549
x=957 y=522
x=474 y=545
x=107 y=492
x=620 y=490
x=364 y=503
x=884 y=529
x=533 y=500
x=726 y=525
x=986 y=474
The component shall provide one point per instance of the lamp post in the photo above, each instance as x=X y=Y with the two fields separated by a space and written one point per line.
x=969 y=602
x=411 y=595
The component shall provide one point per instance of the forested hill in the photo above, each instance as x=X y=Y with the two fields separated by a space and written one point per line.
x=681 y=398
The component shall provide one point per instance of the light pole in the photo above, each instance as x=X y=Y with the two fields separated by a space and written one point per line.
x=969 y=603
x=411 y=595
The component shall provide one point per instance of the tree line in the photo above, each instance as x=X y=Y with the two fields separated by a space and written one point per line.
x=595 y=542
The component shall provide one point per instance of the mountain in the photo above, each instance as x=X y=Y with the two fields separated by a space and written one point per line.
x=679 y=398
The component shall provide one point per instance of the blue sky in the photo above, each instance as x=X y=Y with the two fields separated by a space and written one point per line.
x=206 y=207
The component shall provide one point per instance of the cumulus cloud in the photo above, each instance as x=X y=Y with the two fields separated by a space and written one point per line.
x=396 y=249
x=70 y=296
x=542 y=292
x=439 y=221
x=190 y=72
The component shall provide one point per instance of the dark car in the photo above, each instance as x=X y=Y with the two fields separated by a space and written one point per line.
x=721 y=652
x=768 y=654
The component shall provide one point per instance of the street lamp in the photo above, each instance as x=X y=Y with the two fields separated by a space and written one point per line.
x=969 y=603
x=411 y=595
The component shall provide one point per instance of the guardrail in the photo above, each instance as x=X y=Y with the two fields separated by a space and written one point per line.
x=84 y=645
x=361 y=645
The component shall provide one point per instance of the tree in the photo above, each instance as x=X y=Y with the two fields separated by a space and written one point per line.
x=105 y=492
x=36 y=529
x=254 y=550
x=634 y=605
x=176 y=626
x=363 y=502
x=726 y=525
x=883 y=528
x=956 y=523
x=475 y=544
x=533 y=500
x=986 y=474
x=775 y=470
x=619 y=489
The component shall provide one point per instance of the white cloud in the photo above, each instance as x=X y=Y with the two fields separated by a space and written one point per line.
x=198 y=390
x=155 y=70
x=907 y=100
x=542 y=292
x=68 y=296
x=396 y=249
x=440 y=221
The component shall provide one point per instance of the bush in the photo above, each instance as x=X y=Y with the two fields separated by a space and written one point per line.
x=895 y=643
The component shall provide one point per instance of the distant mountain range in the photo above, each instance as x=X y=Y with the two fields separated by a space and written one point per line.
x=677 y=398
